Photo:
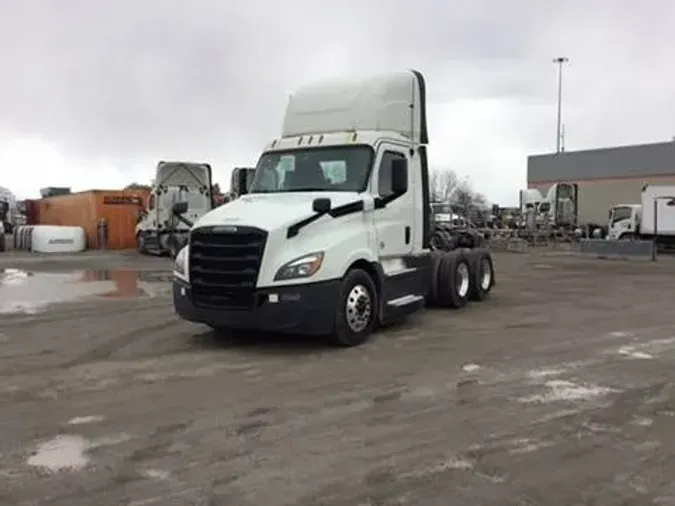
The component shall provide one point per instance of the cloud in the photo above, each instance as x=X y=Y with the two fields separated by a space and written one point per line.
x=118 y=85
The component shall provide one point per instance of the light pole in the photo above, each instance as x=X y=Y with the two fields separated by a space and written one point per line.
x=560 y=60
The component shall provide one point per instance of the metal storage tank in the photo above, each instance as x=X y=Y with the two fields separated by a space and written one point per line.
x=606 y=176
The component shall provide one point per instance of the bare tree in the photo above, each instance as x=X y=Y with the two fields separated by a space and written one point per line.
x=446 y=187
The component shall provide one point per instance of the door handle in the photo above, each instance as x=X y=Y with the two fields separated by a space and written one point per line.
x=407 y=235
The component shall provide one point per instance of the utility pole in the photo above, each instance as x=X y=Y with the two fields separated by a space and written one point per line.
x=560 y=60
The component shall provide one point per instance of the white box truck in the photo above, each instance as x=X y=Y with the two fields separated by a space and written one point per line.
x=653 y=218
x=332 y=237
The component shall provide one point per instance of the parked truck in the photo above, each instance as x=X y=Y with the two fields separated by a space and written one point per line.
x=653 y=218
x=163 y=228
x=333 y=234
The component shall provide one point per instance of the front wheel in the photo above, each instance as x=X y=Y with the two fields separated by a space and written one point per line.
x=357 y=310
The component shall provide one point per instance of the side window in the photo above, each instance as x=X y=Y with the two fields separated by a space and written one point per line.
x=384 y=173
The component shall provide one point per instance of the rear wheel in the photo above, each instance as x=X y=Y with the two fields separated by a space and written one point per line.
x=482 y=274
x=454 y=280
x=357 y=310
x=436 y=258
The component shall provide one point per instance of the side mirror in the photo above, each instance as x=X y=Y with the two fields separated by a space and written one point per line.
x=321 y=206
x=399 y=176
x=179 y=208
x=242 y=182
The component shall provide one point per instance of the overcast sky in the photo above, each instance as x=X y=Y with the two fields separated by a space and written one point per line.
x=93 y=93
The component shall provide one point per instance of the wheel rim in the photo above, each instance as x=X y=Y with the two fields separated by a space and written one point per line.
x=462 y=279
x=358 y=308
x=486 y=274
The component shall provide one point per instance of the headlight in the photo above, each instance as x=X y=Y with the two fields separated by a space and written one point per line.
x=302 y=267
x=180 y=264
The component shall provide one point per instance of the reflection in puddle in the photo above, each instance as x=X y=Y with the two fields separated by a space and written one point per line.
x=31 y=292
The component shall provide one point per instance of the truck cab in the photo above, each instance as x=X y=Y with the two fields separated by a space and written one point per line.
x=163 y=226
x=331 y=237
x=624 y=221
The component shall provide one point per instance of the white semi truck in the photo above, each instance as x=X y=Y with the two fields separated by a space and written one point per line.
x=181 y=194
x=653 y=218
x=333 y=235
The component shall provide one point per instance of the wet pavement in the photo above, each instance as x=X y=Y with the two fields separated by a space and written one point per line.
x=558 y=390
x=30 y=292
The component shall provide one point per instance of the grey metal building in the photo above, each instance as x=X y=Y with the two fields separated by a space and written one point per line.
x=605 y=177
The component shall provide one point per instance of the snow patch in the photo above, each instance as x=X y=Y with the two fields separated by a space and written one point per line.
x=529 y=446
x=68 y=452
x=470 y=367
x=451 y=464
x=156 y=474
x=83 y=420
x=630 y=351
x=620 y=333
x=642 y=421
x=546 y=372
x=560 y=390
x=63 y=453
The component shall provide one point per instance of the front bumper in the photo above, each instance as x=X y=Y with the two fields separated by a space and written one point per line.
x=302 y=309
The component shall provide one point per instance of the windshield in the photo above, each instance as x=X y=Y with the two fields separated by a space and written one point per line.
x=621 y=213
x=340 y=168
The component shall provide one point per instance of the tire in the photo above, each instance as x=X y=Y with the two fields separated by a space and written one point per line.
x=482 y=274
x=454 y=279
x=437 y=242
x=140 y=243
x=436 y=258
x=3 y=242
x=174 y=247
x=357 y=311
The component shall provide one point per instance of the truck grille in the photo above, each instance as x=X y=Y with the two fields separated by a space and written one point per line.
x=224 y=266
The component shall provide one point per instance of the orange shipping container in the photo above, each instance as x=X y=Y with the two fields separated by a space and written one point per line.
x=86 y=209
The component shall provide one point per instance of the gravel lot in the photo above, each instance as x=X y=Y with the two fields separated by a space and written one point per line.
x=558 y=390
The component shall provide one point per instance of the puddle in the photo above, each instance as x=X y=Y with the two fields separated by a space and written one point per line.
x=69 y=452
x=63 y=453
x=30 y=292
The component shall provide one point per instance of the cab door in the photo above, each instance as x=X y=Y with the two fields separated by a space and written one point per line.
x=394 y=221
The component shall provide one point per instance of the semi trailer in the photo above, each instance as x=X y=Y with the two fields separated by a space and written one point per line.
x=332 y=236
x=161 y=229
x=652 y=219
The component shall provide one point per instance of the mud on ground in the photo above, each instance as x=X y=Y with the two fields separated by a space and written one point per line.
x=558 y=390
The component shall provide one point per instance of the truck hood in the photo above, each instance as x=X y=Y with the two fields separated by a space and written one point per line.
x=269 y=211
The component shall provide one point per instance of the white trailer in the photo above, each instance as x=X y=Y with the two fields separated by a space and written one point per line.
x=181 y=194
x=653 y=218
x=333 y=236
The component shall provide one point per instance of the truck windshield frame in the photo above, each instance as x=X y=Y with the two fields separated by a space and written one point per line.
x=326 y=168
